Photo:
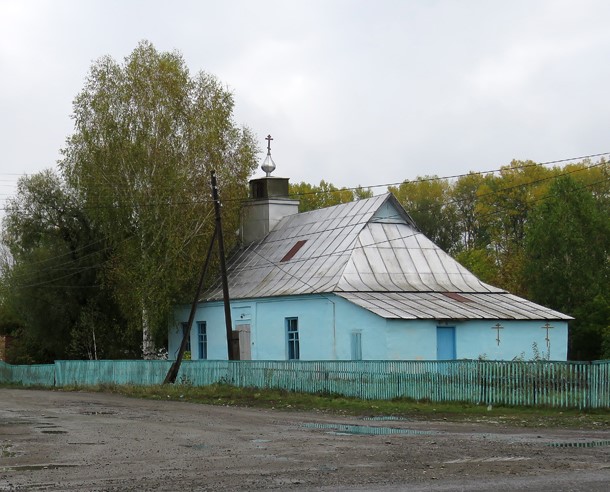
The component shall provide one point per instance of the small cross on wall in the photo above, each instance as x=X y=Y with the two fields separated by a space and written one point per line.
x=547 y=326
x=497 y=327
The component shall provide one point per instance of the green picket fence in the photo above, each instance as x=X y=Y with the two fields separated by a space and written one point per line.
x=94 y=372
x=29 y=375
x=553 y=384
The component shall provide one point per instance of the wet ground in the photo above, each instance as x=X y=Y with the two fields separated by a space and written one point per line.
x=102 y=442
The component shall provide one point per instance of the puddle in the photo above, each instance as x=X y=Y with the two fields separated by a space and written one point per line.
x=366 y=430
x=579 y=444
x=98 y=413
x=491 y=459
x=385 y=417
x=260 y=440
x=33 y=467
x=54 y=432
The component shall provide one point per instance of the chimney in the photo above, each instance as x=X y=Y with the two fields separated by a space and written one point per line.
x=268 y=203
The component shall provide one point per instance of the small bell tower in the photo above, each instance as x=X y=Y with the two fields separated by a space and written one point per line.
x=268 y=203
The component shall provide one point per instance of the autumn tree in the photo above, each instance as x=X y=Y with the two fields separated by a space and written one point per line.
x=147 y=135
x=313 y=197
x=428 y=201
x=504 y=202
x=464 y=195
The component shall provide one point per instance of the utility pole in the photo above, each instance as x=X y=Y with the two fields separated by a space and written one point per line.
x=223 y=268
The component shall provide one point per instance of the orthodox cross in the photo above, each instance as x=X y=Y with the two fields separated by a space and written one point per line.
x=269 y=138
x=498 y=327
x=547 y=327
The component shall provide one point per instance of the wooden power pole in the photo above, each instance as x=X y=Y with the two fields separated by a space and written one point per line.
x=223 y=268
x=172 y=374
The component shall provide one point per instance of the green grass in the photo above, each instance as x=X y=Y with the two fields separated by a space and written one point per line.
x=221 y=394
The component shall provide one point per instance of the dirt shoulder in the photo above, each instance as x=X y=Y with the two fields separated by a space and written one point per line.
x=96 y=441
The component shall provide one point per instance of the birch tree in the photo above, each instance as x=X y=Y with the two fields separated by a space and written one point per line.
x=147 y=135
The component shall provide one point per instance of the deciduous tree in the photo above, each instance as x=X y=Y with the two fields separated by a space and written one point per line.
x=147 y=136
x=55 y=274
x=313 y=197
x=567 y=261
x=428 y=201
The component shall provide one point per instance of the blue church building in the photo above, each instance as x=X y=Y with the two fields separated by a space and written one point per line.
x=358 y=281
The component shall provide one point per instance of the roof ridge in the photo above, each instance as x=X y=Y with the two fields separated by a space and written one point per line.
x=344 y=204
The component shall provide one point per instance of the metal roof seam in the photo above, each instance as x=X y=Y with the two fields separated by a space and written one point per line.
x=382 y=257
x=391 y=258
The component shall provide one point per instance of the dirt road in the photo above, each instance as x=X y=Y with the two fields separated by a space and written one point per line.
x=82 y=441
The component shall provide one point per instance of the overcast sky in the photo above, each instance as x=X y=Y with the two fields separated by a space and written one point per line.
x=353 y=92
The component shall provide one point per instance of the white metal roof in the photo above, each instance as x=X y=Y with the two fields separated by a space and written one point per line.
x=371 y=253
x=440 y=306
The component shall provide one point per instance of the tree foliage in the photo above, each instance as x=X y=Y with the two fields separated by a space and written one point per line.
x=429 y=203
x=567 y=260
x=56 y=259
x=313 y=197
x=101 y=251
x=147 y=136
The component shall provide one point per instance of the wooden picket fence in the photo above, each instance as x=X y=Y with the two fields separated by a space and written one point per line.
x=583 y=385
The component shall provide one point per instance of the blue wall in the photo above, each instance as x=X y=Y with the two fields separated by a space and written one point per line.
x=326 y=324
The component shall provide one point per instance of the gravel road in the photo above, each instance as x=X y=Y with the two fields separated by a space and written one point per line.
x=102 y=442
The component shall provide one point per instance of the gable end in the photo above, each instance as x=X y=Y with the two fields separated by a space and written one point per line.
x=392 y=212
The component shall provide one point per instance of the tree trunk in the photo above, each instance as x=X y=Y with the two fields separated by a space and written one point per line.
x=148 y=345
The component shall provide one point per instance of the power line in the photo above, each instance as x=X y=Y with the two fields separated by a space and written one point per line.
x=421 y=209
x=56 y=267
x=103 y=187
x=479 y=196
x=455 y=176
x=237 y=259
x=491 y=192
x=177 y=203
x=244 y=251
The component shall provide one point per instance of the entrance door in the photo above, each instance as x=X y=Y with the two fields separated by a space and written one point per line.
x=243 y=329
x=445 y=343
